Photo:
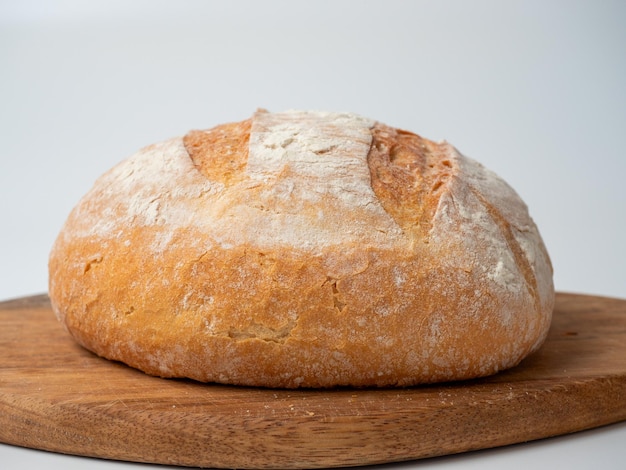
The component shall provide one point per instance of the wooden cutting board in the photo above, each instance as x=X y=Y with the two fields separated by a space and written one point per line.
x=56 y=396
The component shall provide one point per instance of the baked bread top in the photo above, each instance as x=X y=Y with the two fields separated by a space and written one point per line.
x=303 y=249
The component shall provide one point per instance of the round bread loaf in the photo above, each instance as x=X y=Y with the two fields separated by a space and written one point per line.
x=303 y=249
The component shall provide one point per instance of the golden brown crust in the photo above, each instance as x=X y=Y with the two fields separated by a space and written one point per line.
x=463 y=289
x=408 y=176
x=220 y=153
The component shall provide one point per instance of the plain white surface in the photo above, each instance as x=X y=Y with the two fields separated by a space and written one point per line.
x=532 y=89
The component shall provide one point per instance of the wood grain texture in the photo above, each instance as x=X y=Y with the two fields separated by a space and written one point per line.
x=56 y=396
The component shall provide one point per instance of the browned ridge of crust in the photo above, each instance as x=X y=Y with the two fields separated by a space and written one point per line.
x=220 y=153
x=409 y=174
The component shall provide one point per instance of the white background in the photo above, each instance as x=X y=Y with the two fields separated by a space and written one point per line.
x=535 y=90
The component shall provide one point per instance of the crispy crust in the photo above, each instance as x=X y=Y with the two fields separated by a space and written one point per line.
x=220 y=153
x=459 y=287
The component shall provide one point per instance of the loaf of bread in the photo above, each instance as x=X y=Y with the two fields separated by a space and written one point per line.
x=303 y=249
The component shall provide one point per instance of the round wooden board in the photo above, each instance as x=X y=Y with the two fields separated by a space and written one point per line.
x=56 y=396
